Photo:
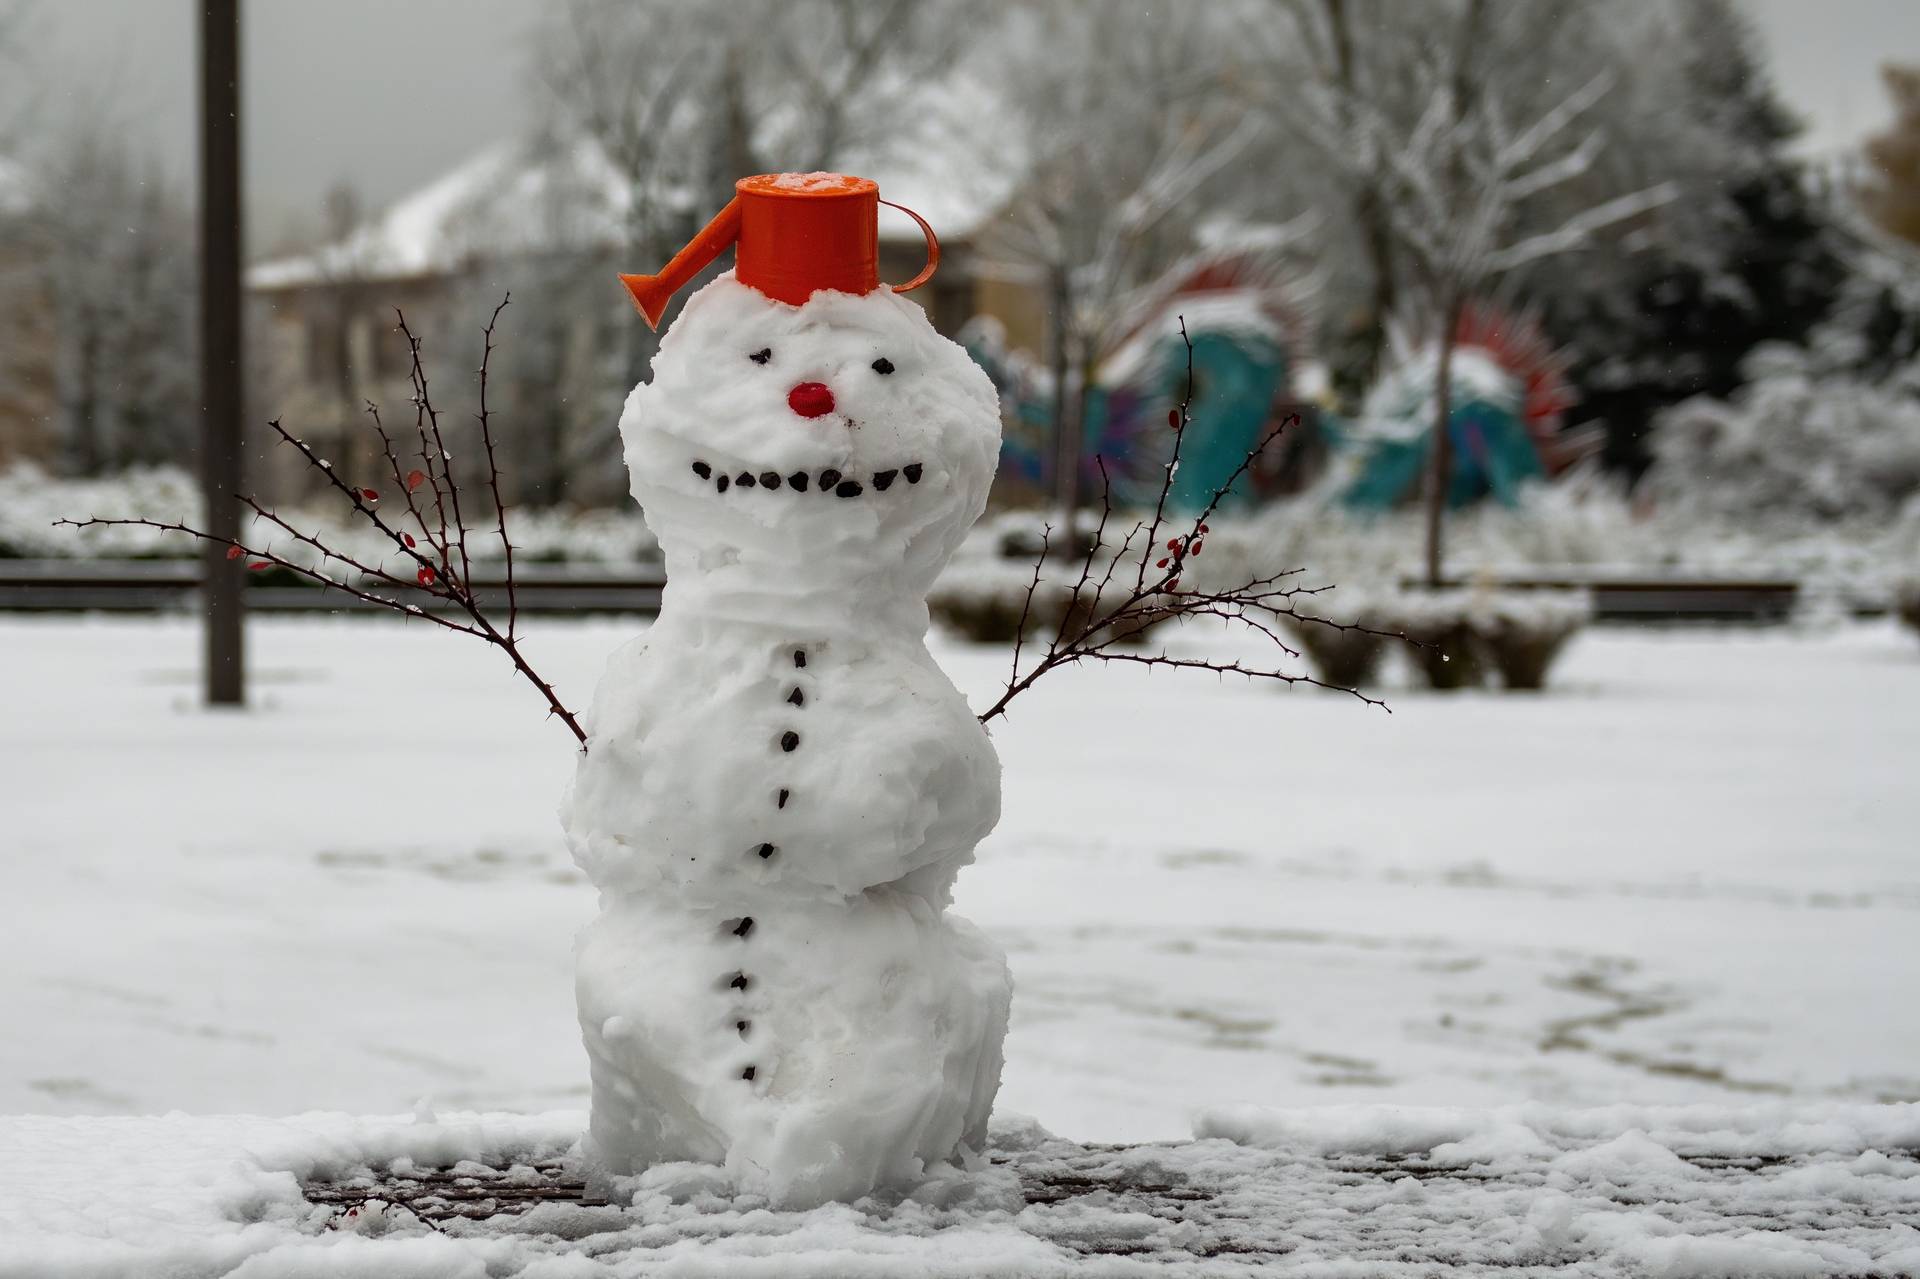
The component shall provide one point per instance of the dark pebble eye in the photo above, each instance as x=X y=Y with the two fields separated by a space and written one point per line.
x=883 y=365
x=761 y=356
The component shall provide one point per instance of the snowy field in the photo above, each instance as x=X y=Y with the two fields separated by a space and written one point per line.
x=1691 y=873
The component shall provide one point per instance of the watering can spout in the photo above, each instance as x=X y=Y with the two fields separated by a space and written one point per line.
x=651 y=293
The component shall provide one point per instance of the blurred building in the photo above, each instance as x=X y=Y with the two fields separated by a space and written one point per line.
x=551 y=224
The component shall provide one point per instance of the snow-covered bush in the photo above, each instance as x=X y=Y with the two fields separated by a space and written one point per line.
x=1440 y=625
x=1581 y=521
x=1524 y=632
x=1798 y=443
x=1348 y=657
x=31 y=500
x=1458 y=636
x=982 y=598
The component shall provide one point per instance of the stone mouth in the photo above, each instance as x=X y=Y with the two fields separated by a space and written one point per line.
x=826 y=480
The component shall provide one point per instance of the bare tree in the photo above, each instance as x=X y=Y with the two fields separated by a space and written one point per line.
x=684 y=99
x=437 y=563
x=1126 y=124
x=111 y=256
x=676 y=101
x=1467 y=179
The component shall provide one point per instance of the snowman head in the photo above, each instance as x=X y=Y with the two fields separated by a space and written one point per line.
x=840 y=446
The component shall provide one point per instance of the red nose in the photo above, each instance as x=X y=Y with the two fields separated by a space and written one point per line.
x=810 y=399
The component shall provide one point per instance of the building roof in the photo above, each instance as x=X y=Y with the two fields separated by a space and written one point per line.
x=508 y=199
x=522 y=198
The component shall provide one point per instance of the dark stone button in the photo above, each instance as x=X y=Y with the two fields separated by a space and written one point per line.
x=883 y=480
x=789 y=740
x=747 y=1074
x=849 y=488
x=829 y=478
x=739 y=981
x=766 y=851
x=744 y=479
x=769 y=479
x=702 y=470
x=799 y=657
x=797 y=697
x=912 y=471
x=746 y=926
x=782 y=801
x=722 y=483
x=799 y=481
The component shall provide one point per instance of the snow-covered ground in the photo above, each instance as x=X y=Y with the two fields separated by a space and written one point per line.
x=1691 y=873
x=1789 y=1191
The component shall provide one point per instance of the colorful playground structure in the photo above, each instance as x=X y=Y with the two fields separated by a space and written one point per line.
x=1251 y=370
x=1247 y=376
x=1508 y=395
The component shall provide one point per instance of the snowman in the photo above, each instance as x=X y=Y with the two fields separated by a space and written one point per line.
x=780 y=785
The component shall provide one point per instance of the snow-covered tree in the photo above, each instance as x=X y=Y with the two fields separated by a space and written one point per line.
x=1127 y=127
x=1822 y=431
x=1473 y=172
x=682 y=99
x=1744 y=254
x=1796 y=445
x=676 y=101
x=104 y=254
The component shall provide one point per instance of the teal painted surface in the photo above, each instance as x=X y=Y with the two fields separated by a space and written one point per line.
x=1493 y=456
x=1236 y=378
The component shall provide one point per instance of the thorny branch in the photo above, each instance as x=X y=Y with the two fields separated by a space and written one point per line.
x=441 y=568
x=1099 y=617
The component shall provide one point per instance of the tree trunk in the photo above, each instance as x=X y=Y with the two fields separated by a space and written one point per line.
x=1073 y=437
x=86 y=447
x=1441 y=455
x=1368 y=209
x=1059 y=300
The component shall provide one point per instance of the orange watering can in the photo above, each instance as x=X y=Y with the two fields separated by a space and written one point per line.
x=796 y=234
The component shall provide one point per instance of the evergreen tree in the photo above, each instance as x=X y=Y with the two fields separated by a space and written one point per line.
x=1762 y=266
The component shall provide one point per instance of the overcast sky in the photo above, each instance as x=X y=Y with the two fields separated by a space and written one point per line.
x=387 y=94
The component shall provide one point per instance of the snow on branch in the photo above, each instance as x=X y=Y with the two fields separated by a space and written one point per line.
x=436 y=561
x=1120 y=591
x=1458 y=177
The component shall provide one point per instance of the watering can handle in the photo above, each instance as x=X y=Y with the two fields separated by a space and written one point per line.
x=933 y=250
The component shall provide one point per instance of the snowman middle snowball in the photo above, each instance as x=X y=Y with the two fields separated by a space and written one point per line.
x=780 y=784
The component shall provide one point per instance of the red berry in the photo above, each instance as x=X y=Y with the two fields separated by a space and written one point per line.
x=409 y=537
x=1175 y=581
x=415 y=479
x=1201 y=529
x=257 y=565
x=1173 y=544
x=235 y=552
x=1161 y=564
x=1196 y=546
x=370 y=495
x=424 y=577
x=1173 y=418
